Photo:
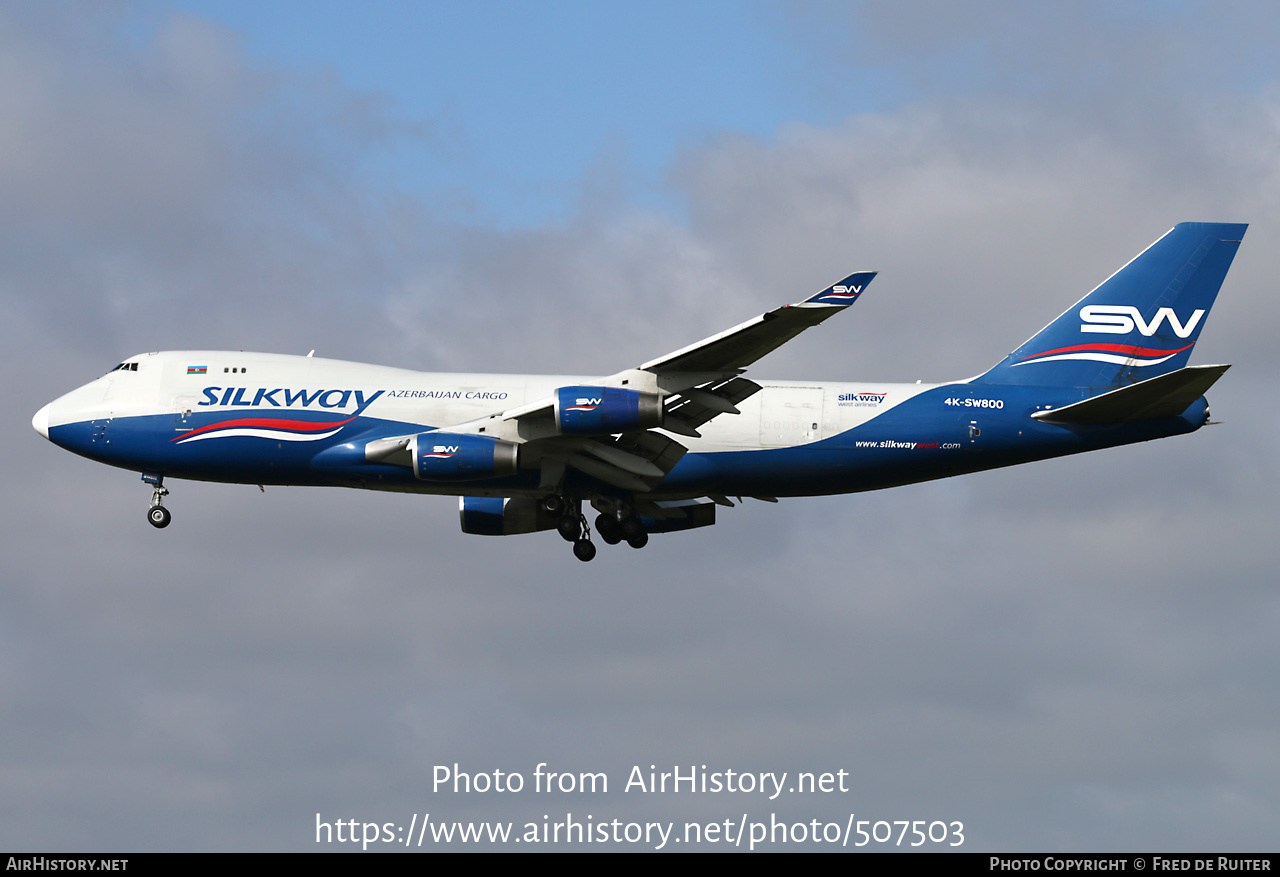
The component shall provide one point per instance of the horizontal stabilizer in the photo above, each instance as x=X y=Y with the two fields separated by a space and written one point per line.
x=1166 y=396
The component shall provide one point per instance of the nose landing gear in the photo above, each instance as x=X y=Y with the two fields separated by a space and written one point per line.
x=157 y=515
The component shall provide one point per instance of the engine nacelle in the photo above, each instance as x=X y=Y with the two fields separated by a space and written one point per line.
x=443 y=456
x=691 y=516
x=497 y=516
x=605 y=410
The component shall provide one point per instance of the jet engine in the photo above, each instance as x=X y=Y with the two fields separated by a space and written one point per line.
x=443 y=456
x=605 y=410
x=497 y=516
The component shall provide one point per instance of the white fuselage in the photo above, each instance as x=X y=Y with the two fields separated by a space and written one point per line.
x=783 y=414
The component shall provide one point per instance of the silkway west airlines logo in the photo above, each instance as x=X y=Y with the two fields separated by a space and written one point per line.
x=584 y=405
x=1122 y=320
x=285 y=397
x=277 y=428
x=861 y=398
x=441 y=452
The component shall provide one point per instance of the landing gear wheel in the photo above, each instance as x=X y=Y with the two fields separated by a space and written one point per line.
x=608 y=529
x=631 y=528
x=157 y=515
x=553 y=504
x=584 y=550
x=640 y=540
x=569 y=528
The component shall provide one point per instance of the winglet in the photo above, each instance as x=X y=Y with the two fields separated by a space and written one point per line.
x=734 y=349
x=845 y=292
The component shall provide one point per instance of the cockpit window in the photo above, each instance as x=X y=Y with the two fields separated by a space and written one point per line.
x=125 y=367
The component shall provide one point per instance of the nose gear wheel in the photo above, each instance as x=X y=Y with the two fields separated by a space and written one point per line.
x=157 y=515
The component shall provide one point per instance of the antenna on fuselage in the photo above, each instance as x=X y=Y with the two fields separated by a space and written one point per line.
x=312 y=353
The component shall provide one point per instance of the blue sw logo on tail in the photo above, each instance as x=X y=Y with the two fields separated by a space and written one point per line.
x=1150 y=313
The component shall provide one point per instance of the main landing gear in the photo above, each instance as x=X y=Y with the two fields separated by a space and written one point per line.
x=572 y=525
x=584 y=549
x=613 y=531
x=613 y=528
x=157 y=515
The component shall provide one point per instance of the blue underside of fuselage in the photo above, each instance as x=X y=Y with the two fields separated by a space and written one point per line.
x=923 y=438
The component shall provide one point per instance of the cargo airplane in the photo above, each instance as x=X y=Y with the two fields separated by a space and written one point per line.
x=657 y=448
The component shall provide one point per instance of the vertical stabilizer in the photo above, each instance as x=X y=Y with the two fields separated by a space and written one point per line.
x=1142 y=322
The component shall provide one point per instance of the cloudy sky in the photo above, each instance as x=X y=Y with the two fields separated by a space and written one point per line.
x=1080 y=654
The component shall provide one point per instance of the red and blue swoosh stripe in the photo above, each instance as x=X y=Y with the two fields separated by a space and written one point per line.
x=1118 y=354
x=265 y=427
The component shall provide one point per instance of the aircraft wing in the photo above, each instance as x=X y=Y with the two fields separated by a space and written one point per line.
x=679 y=392
x=701 y=381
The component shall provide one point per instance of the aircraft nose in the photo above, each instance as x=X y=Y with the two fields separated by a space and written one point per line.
x=41 y=421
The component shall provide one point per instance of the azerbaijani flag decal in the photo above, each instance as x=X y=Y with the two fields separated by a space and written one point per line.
x=264 y=427
x=197 y=369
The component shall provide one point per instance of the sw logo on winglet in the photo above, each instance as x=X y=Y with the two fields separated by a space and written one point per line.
x=844 y=292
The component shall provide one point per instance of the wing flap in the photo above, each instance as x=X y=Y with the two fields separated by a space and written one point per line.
x=612 y=454
x=608 y=473
x=635 y=461
x=700 y=404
